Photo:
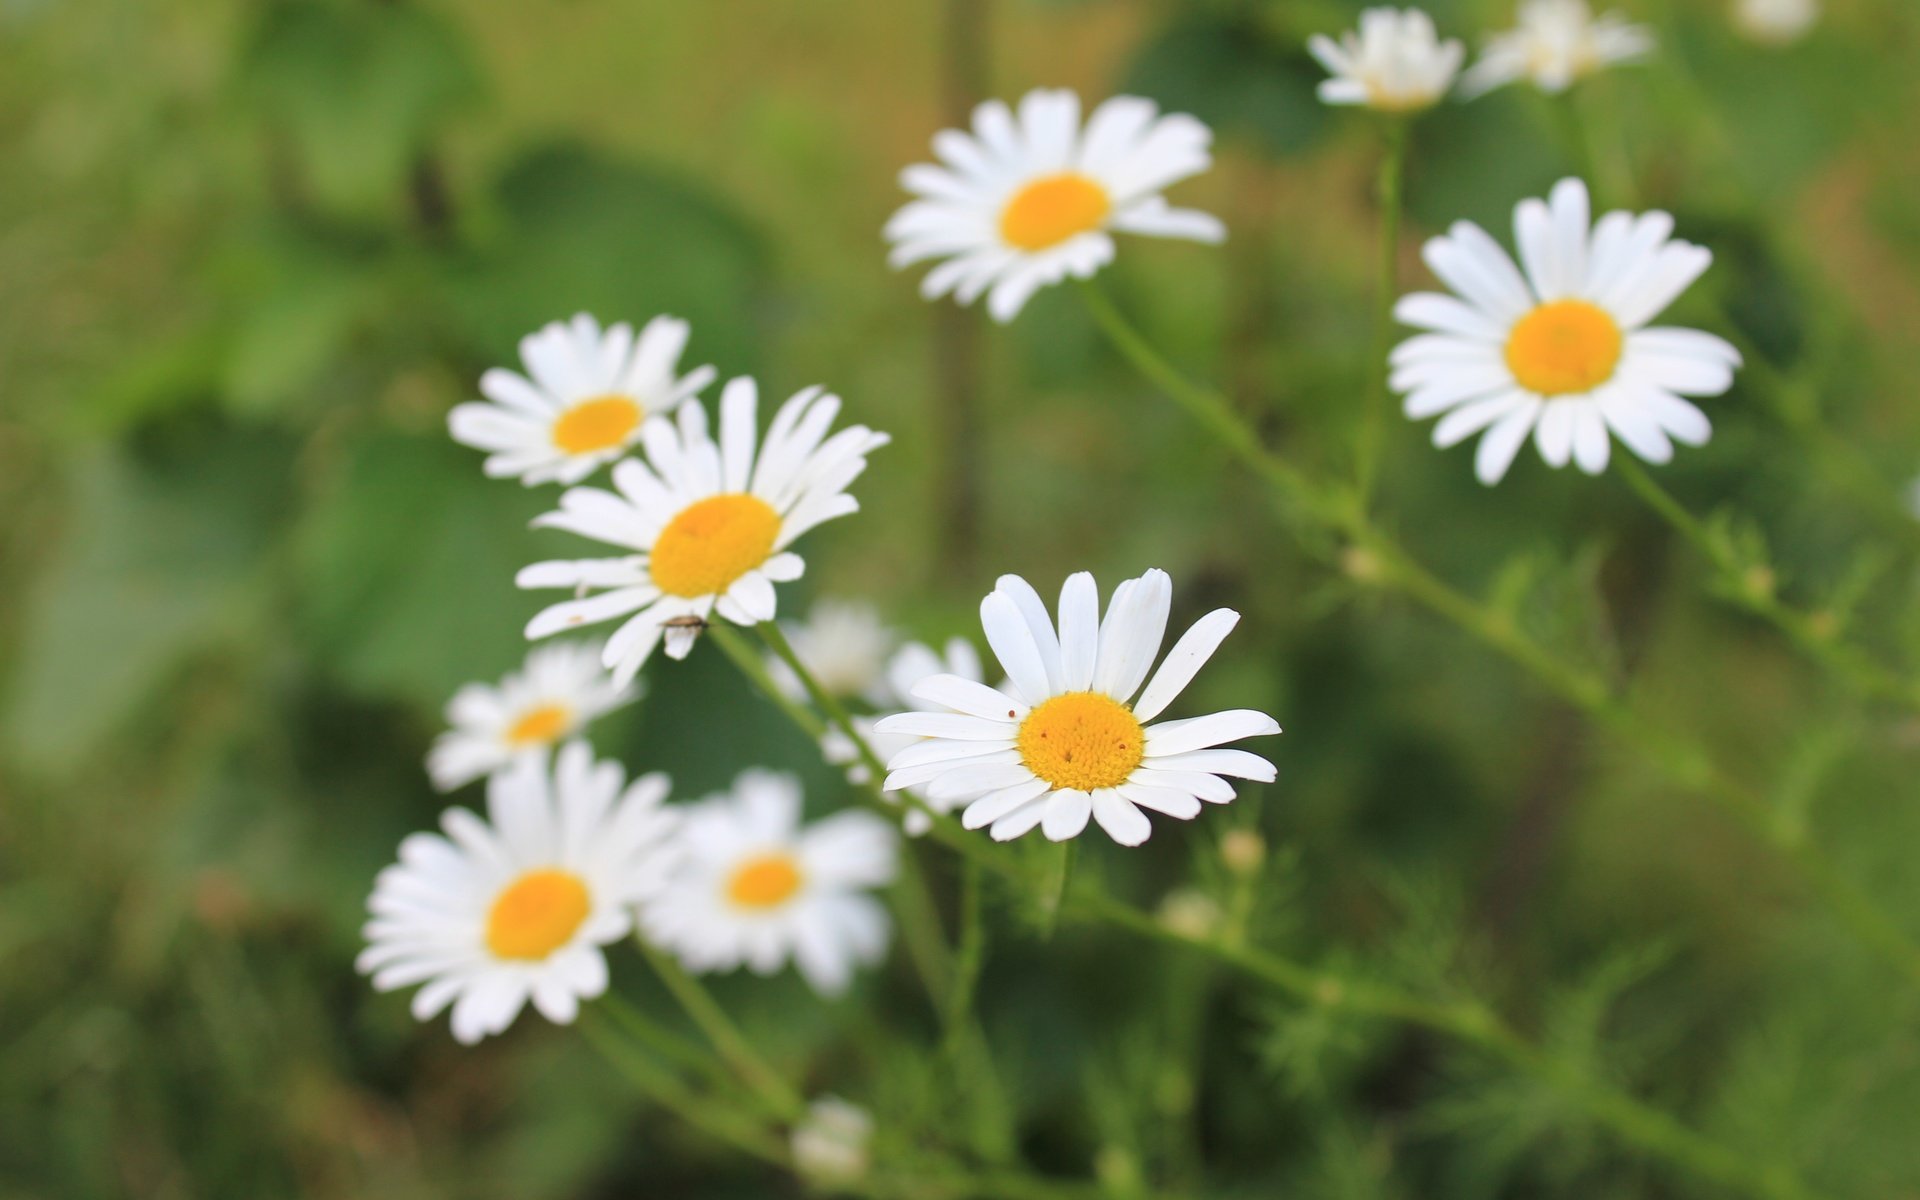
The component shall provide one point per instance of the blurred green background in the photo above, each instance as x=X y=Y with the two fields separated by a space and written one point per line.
x=252 y=252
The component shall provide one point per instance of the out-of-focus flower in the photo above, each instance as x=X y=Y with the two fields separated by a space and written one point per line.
x=1775 y=22
x=1243 y=850
x=516 y=907
x=845 y=646
x=552 y=697
x=912 y=663
x=830 y=1145
x=756 y=888
x=1064 y=739
x=1563 y=351
x=1395 y=63
x=1191 y=913
x=706 y=525
x=583 y=400
x=1026 y=200
x=1556 y=44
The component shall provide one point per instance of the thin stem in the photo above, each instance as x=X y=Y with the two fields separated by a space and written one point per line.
x=972 y=954
x=664 y=1042
x=828 y=704
x=738 y=1130
x=1387 y=188
x=726 y=1037
x=1053 y=899
x=1755 y=591
x=755 y=669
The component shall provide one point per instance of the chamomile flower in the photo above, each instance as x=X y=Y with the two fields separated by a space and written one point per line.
x=583 y=400
x=559 y=690
x=756 y=888
x=1556 y=44
x=912 y=663
x=1026 y=200
x=1396 y=63
x=705 y=525
x=516 y=907
x=1775 y=22
x=845 y=646
x=1066 y=737
x=1563 y=351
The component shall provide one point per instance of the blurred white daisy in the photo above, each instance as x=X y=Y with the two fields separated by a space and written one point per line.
x=755 y=887
x=831 y=1145
x=706 y=524
x=1562 y=352
x=844 y=644
x=912 y=663
x=516 y=907
x=1064 y=738
x=1027 y=200
x=1556 y=44
x=1775 y=22
x=1396 y=62
x=553 y=696
x=585 y=396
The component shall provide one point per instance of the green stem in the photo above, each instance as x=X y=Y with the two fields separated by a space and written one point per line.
x=1816 y=638
x=755 y=669
x=1053 y=898
x=1388 y=189
x=736 y=1129
x=725 y=1036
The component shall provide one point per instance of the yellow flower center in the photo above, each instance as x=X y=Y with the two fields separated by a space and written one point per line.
x=763 y=882
x=1082 y=740
x=597 y=424
x=536 y=914
x=1052 y=209
x=538 y=726
x=1564 y=347
x=712 y=543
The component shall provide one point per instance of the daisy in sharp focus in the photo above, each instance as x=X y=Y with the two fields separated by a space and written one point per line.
x=1396 y=63
x=1556 y=43
x=1066 y=738
x=583 y=400
x=1027 y=200
x=1563 y=351
x=705 y=524
x=912 y=663
x=515 y=908
x=844 y=644
x=560 y=689
x=757 y=888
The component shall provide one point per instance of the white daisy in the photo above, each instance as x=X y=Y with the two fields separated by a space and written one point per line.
x=707 y=525
x=589 y=393
x=844 y=645
x=1563 y=351
x=1061 y=740
x=912 y=663
x=516 y=907
x=1775 y=22
x=1025 y=201
x=1395 y=63
x=1556 y=44
x=552 y=697
x=753 y=887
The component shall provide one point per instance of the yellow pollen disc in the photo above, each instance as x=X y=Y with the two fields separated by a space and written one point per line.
x=766 y=881
x=538 y=726
x=712 y=543
x=1082 y=740
x=1564 y=347
x=536 y=914
x=1052 y=209
x=601 y=423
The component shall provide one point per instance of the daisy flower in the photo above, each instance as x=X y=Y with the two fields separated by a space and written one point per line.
x=1066 y=738
x=705 y=525
x=1775 y=22
x=1396 y=63
x=1562 y=351
x=1556 y=44
x=844 y=644
x=912 y=663
x=754 y=887
x=583 y=399
x=559 y=690
x=516 y=907
x=1026 y=200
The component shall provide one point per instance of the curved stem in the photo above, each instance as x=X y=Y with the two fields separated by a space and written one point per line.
x=726 y=1037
